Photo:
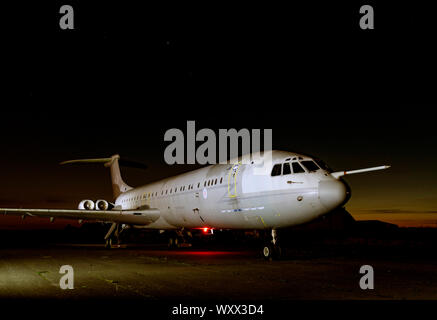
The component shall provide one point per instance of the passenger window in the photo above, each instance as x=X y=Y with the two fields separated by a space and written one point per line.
x=297 y=168
x=276 y=171
x=286 y=168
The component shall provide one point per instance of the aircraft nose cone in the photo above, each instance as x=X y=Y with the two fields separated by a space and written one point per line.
x=333 y=193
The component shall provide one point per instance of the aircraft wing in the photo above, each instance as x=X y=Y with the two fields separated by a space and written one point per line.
x=137 y=217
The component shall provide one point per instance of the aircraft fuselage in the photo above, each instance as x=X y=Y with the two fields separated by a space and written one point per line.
x=233 y=196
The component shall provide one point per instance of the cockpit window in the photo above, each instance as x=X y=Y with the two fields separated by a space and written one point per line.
x=323 y=165
x=297 y=168
x=286 y=168
x=276 y=171
x=310 y=165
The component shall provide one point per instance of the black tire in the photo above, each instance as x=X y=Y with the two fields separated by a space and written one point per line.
x=173 y=243
x=108 y=244
x=277 y=252
x=170 y=243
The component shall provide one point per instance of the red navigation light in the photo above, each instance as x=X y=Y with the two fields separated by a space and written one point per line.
x=205 y=230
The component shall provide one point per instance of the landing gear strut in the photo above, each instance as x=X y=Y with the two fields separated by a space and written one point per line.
x=179 y=238
x=271 y=249
x=114 y=231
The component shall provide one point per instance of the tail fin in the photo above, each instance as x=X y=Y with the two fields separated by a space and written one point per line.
x=118 y=185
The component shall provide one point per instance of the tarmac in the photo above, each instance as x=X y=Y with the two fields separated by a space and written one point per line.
x=155 y=273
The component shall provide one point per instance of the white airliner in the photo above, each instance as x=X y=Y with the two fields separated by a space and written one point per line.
x=293 y=190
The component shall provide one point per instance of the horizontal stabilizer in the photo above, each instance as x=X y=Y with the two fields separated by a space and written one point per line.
x=99 y=160
x=118 y=185
x=122 y=161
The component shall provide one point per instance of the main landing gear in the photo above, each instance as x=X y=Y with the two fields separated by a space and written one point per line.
x=179 y=238
x=114 y=232
x=272 y=249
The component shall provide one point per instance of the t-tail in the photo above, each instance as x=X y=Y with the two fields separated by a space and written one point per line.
x=118 y=185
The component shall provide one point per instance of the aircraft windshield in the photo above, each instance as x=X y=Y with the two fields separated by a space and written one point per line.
x=310 y=165
x=323 y=165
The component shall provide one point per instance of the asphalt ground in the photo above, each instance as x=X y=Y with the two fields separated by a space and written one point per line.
x=155 y=273
x=148 y=280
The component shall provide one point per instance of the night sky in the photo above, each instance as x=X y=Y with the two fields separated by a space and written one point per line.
x=126 y=74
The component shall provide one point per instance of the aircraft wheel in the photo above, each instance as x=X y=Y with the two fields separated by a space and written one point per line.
x=173 y=243
x=267 y=251
x=277 y=252
x=271 y=252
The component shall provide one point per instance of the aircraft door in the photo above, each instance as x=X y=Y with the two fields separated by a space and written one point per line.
x=232 y=180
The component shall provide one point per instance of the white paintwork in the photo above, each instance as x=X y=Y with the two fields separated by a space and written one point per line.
x=243 y=200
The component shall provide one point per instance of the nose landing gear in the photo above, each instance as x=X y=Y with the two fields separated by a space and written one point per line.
x=272 y=249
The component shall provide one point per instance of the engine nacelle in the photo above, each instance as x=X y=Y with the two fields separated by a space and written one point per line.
x=103 y=205
x=86 y=205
